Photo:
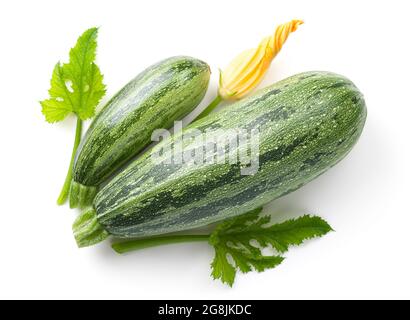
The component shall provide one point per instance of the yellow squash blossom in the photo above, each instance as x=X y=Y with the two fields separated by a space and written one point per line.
x=246 y=71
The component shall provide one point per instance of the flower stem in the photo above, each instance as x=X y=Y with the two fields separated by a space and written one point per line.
x=138 y=244
x=62 y=198
x=210 y=107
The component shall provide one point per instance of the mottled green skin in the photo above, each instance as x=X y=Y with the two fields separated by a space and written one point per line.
x=308 y=123
x=163 y=93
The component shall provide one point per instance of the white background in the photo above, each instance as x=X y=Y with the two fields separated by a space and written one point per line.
x=365 y=198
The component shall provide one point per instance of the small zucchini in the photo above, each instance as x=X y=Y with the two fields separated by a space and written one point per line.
x=163 y=93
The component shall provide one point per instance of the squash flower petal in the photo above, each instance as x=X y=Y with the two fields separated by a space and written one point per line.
x=247 y=70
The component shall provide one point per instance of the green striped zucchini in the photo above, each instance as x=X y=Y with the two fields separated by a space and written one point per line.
x=307 y=124
x=163 y=93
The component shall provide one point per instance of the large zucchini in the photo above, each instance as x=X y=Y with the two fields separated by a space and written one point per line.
x=163 y=93
x=307 y=124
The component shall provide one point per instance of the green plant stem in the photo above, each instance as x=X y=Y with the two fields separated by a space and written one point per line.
x=62 y=198
x=138 y=244
x=210 y=107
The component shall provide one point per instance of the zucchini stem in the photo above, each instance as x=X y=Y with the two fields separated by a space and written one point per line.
x=138 y=244
x=87 y=230
x=62 y=198
x=210 y=107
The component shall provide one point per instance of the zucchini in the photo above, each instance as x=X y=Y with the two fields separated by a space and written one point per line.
x=307 y=124
x=163 y=93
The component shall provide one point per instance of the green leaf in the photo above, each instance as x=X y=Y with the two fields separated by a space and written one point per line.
x=76 y=86
x=238 y=242
x=294 y=232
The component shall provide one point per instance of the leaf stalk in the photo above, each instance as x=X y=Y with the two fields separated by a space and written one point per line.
x=62 y=198
x=138 y=244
